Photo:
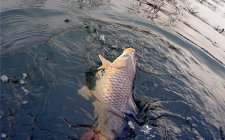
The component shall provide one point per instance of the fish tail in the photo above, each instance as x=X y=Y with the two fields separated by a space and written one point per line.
x=91 y=134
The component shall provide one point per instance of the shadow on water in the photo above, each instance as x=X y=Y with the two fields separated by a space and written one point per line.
x=179 y=89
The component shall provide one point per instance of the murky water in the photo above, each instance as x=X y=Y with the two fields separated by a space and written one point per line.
x=179 y=88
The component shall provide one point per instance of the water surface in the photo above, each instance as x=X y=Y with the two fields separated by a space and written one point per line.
x=179 y=88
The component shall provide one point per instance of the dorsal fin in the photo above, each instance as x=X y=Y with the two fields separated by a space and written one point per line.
x=85 y=92
x=105 y=63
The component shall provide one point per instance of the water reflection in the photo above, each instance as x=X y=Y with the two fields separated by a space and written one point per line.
x=179 y=88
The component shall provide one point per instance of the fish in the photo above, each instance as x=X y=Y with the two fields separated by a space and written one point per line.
x=114 y=96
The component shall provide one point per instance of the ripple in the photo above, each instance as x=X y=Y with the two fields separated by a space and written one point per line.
x=24 y=27
x=178 y=87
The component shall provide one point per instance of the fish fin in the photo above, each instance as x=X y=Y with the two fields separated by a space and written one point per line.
x=119 y=64
x=91 y=134
x=105 y=63
x=100 y=107
x=85 y=92
x=131 y=106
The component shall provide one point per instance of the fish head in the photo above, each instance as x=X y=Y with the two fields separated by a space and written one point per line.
x=126 y=59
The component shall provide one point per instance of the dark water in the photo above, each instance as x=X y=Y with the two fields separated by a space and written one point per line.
x=179 y=89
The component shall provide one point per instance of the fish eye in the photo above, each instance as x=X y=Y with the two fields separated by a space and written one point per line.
x=125 y=55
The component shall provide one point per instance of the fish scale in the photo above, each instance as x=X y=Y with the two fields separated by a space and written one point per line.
x=118 y=89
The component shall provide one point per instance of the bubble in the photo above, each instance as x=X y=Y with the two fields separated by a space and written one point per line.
x=22 y=82
x=4 y=78
x=24 y=102
x=102 y=38
x=24 y=75
x=146 y=129
x=3 y=135
x=25 y=90
x=131 y=125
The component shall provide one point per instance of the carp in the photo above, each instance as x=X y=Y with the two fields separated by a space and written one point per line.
x=113 y=93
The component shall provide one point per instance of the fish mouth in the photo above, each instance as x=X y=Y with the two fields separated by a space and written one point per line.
x=129 y=50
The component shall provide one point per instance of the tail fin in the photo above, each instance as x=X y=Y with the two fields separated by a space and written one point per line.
x=91 y=134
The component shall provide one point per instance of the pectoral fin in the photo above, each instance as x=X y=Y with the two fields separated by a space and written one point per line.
x=131 y=107
x=85 y=92
x=105 y=63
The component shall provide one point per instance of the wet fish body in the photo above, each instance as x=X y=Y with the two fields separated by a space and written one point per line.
x=113 y=92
